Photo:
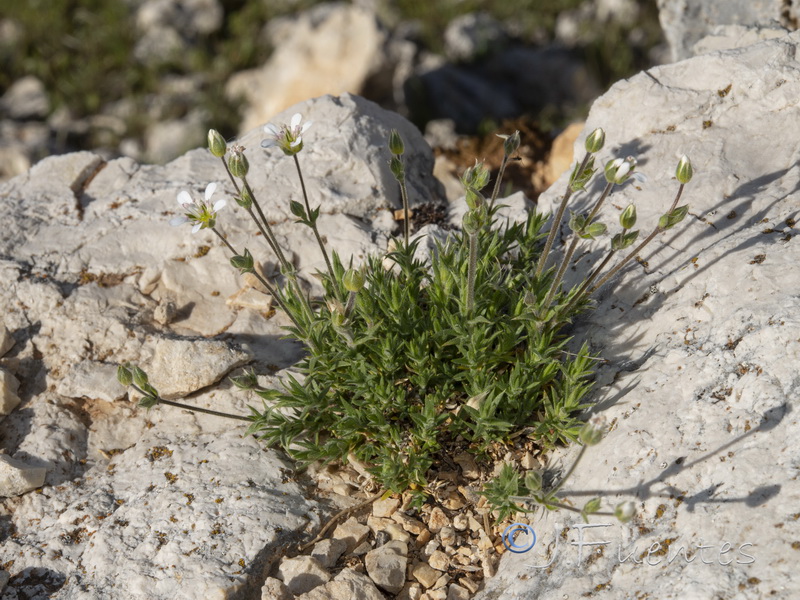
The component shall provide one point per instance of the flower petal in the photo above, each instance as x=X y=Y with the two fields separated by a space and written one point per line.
x=296 y=143
x=268 y=143
x=177 y=221
x=184 y=198
x=271 y=129
x=306 y=125
x=296 y=118
x=197 y=227
x=210 y=188
x=219 y=204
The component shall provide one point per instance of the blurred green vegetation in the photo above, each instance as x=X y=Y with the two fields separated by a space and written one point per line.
x=83 y=49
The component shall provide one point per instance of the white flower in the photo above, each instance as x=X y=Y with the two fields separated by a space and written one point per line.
x=200 y=214
x=620 y=170
x=288 y=138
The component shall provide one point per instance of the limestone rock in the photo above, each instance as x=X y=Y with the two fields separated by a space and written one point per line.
x=386 y=566
x=9 y=385
x=331 y=49
x=302 y=574
x=26 y=98
x=180 y=367
x=347 y=585
x=17 y=477
x=92 y=379
x=686 y=22
x=274 y=589
x=351 y=532
x=327 y=552
x=702 y=342
x=211 y=505
x=6 y=340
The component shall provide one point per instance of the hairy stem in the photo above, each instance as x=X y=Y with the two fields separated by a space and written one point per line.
x=636 y=250
x=473 y=266
x=193 y=408
x=556 y=225
x=496 y=190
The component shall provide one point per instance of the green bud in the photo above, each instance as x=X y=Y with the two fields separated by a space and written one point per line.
x=245 y=381
x=511 y=143
x=237 y=162
x=124 y=375
x=671 y=219
x=338 y=316
x=148 y=401
x=472 y=222
x=628 y=217
x=684 y=171
x=245 y=199
x=533 y=481
x=595 y=141
x=298 y=210
x=398 y=169
x=396 y=146
x=593 y=431
x=625 y=511
x=139 y=377
x=476 y=177
x=353 y=280
x=623 y=240
x=244 y=262
x=592 y=231
x=474 y=199
x=577 y=222
x=592 y=506
x=216 y=143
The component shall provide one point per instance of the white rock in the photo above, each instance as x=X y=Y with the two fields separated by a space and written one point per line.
x=6 y=340
x=456 y=592
x=212 y=505
x=9 y=385
x=331 y=49
x=17 y=477
x=687 y=21
x=386 y=566
x=347 y=585
x=302 y=574
x=702 y=342
x=180 y=367
x=274 y=589
x=327 y=552
x=91 y=379
x=351 y=532
x=26 y=98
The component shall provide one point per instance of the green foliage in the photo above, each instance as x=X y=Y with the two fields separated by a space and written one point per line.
x=410 y=372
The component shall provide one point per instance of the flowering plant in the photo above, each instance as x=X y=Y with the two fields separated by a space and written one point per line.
x=410 y=362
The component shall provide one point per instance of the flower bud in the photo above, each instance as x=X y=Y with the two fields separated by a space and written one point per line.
x=245 y=199
x=475 y=177
x=511 y=143
x=625 y=511
x=620 y=169
x=533 y=481
x=595 y=141
x=353 y=280
x=243 y=262
x=628 y=217
x=237 y=162
x=472 y=222
x=684 y=171
x=396 y=146
x=398 y=170
x=593 y=431
x=474 y=199
x=338 y=316
x=216 y=143
x=124 y=375
x=139 y=377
